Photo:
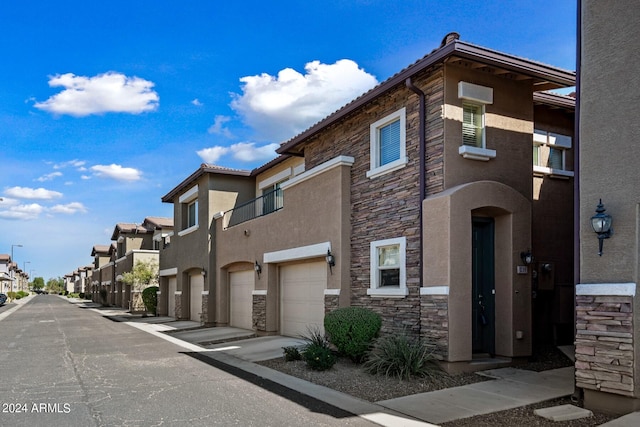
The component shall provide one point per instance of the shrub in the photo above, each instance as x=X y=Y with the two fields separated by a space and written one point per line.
x=318 y=358
x=150 y=298
x=352 y=330
x=22 y=294
x=398 y=356
x=12 y=295
x=316 y=351
x=81 y=295
x=291 y=353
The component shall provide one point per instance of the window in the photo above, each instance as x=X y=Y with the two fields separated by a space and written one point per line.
x=388 y=270
x=189 y=210
x=473 y=125
x=388 y=144
x=474 y=99
x=192 y=213
x=549 y=153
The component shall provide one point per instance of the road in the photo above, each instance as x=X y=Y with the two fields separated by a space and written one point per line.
x=61 y=365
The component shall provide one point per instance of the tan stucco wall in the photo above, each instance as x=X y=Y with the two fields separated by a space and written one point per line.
x=447 y=262
x=609 y=131
x=509 y=129
x=315 y=211
x=287 y=166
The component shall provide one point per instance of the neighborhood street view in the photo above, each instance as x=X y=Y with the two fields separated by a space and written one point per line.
x=336 y=214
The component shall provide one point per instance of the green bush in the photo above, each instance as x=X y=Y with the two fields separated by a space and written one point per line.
x=150 y=298
x=22 y=294
x=81 y=295
x=352 y=330
x=291 y=353
x=12 y=295
x=318 y=357
x=399 y=356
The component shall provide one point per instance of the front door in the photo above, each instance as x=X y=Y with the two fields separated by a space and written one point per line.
x=483 y=286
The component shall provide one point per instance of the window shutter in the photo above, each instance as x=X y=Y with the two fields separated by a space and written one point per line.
x=389 y=142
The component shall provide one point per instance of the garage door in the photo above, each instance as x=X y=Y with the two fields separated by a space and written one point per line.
x=195 y=296
x=171 y=297
x=302 y=297
x=241 y=299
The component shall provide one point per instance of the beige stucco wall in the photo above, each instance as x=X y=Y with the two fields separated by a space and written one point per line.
x=447 y=262
x=509 y=129
x=287 y=167
x=315 y=211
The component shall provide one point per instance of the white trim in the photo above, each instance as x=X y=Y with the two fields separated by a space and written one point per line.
x=332 y=291
x=168 y=272
x=297 y=170
x=321 y=168
x=274 y=179
x=177 y=293
x=205 y=293
x=388 y=293
x=159 y=293
x=189 y=195
x=434 y=290
x=614 y=289
x=259 y=292
x=188 y=230
x=301 y=252
x=119 y=278
x=475 y=93
x=476 y=153
x=549 y=171
x=375 y=169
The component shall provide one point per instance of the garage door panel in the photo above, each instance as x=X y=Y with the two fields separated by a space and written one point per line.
x=171 y=296
x=241 y=299
x=196 y=283
x=302 y=297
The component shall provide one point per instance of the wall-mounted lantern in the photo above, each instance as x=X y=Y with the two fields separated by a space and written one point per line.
x=526 y=257
x=601 y=223
x=331 y=260
x=258 y=268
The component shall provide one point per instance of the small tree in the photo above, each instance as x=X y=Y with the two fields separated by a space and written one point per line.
x=143 y=275
x=56 y=285
x=37 y=283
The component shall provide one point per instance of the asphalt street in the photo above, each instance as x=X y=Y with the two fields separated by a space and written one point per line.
x=61 y=365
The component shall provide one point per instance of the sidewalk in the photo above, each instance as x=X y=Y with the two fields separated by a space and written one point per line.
x=239 y=348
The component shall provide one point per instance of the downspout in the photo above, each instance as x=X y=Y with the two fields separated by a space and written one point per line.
x=422 y=141
x=576 y=183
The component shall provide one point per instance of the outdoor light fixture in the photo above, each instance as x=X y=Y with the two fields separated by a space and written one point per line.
x=527 y=258
x=601 y=223
x=331 y=260
x=258 y=268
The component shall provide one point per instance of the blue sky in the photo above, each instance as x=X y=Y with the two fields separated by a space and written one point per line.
x=106 y=106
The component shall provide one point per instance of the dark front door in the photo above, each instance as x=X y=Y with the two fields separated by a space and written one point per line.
x=483 y=286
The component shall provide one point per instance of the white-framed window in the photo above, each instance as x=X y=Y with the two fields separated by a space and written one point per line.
x=550 y=152
x=387 y=140
x=189 y=208
x=388 y=268
x=474 y=140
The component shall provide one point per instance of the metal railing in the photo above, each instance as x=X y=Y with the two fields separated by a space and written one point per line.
x=264 y=205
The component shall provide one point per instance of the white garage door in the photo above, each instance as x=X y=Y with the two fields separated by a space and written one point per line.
x=171 y=296
x=302 y=297
x=241 y=299
x=196 y=283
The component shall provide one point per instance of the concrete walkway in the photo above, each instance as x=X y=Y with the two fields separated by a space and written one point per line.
x=239 y=348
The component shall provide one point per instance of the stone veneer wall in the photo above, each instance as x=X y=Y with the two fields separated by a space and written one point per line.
x=178 y=307
x=331 y=302
x=434 y=324
x=260 y=312
x=204 y=317
x=604 y=343
x=387 y=206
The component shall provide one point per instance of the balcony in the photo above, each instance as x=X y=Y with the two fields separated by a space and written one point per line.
x=268 y=203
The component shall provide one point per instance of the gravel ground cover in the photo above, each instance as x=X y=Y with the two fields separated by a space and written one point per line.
x=349 y=378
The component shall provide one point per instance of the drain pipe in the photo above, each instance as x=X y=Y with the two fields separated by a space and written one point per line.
x=422 y=141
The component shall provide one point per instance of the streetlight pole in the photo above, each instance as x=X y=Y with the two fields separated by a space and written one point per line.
x=24 y=268
x=13 y=274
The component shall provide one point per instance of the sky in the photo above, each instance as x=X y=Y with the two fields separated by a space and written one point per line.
x=105 y=107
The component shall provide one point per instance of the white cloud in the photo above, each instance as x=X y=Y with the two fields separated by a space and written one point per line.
x=105 y=93
x=279 y=107
x=218 y=126
x=197 y=102
x=49 y=176
x=243 y=151
x=32 y=193
x=69 y=208
x=22 y=212
x=116 y=172
x=213 y=154
x=79 y=164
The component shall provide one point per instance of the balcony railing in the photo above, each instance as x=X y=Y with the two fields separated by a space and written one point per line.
x=268 y=203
